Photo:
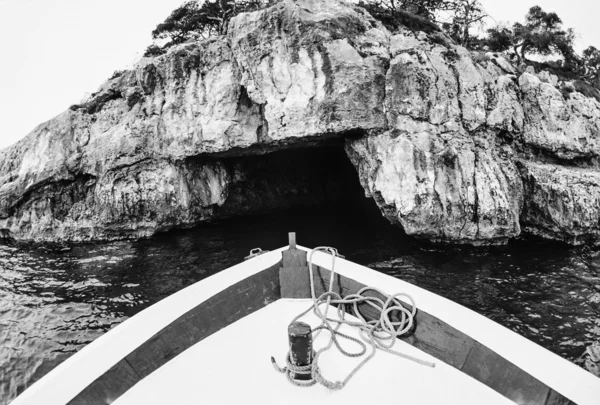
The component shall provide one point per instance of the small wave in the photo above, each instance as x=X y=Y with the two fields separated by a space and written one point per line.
x=92 y=259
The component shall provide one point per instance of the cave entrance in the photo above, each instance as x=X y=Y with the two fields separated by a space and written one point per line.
x=298 y=187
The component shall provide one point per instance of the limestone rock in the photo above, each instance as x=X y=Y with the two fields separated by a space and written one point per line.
x=117 y=165
x=565 y=127
x=437 y=171
x=502 y=63
x=440 y=186
x=548 y=77
x=561 y=203
x=135 y=201
x=434 y=135
x=505 y=112
x=317 y=68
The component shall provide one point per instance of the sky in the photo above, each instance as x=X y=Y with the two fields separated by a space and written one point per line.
x=54 y=52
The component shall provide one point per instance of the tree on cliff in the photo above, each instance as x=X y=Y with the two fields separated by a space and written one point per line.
x=427 y=8
x=591 y=65
x=499 y=38
x=419 y=15
x=464 y=14
x=543 y=34
x=390 y=9
x=457 y=17
x=199 y=19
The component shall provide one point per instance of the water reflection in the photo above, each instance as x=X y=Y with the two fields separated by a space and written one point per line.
x=56 y=299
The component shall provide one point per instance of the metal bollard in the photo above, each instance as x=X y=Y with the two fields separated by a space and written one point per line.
x=300 y=338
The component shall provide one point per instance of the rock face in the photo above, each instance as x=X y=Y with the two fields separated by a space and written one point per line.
x=437 y=170
x=451 y=150
x=563 y=203
x=455 y=190
x=566 y=128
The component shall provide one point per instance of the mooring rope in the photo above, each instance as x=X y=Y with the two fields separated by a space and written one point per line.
x=378 y=333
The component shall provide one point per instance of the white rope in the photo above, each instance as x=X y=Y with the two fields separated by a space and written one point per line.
x=378 y=334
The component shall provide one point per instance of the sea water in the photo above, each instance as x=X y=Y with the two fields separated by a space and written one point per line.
x=55 y=299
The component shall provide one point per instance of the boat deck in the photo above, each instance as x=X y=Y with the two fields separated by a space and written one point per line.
x=233 y=366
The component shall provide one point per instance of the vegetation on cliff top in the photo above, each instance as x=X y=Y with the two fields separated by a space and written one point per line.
x=199 y=19
x=542 y=33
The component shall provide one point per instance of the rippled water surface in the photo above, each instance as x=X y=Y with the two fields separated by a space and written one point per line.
x=56 y=299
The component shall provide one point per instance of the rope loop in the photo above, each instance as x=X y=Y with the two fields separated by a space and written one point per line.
x=395 y=320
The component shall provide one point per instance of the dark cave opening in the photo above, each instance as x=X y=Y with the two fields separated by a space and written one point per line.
x=314 y=191
x=317 y=181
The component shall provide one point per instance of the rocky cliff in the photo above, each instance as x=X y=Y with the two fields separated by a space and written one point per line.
x=452 y=150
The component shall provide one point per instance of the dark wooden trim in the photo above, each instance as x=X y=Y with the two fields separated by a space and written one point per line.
x=496 y=372
x=554 y=398
x=446 y=343
x=222 y=309
x=294 y=271
x=108 y=387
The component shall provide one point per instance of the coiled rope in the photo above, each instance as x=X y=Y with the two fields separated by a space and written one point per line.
x=377 y=334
